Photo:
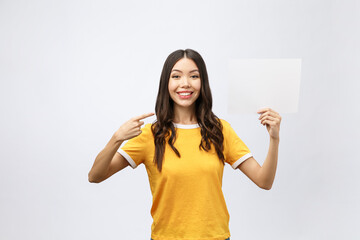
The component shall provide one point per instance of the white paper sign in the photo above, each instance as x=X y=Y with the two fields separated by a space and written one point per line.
x=259 y=83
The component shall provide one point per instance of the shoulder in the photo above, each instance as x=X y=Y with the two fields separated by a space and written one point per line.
x=147 y=126
x=145 y=135
x=146 y=129
x=224 y=124
x=227 y=129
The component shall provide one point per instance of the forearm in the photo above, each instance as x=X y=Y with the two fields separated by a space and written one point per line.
x=268 y=169
x=103 y=159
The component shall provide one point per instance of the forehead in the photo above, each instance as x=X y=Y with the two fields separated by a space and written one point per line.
x=185 y=64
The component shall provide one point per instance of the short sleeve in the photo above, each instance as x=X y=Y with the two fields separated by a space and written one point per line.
x=235 y=150
x=136 y=149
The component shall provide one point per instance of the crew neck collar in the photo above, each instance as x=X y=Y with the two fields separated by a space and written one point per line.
x=186 y=126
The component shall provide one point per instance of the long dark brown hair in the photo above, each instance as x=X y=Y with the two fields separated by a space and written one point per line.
x=163 y=129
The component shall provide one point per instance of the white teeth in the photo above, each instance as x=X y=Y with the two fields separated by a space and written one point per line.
x=184 y=94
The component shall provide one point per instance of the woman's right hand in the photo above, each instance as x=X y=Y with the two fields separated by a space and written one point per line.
x=131 y=128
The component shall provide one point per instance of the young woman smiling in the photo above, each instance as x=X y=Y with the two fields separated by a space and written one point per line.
x=184 y=152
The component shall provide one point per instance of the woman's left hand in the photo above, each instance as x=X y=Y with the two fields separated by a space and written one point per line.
x=272 y=120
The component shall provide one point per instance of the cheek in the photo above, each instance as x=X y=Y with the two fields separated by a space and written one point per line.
x=197 y=86
x=171 y=86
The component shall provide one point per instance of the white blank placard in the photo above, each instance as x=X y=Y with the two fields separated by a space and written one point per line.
x=259 y=83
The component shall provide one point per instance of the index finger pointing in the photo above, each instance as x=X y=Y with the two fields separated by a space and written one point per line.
x=143 y=116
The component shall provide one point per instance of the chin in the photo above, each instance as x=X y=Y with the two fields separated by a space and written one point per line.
x=185 y=105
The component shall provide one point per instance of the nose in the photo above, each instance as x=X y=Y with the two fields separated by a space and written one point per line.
x=185 y=83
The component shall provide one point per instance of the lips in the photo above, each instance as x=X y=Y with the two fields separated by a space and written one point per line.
x=184 y=94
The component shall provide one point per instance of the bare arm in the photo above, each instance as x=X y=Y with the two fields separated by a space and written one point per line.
x=263 y=176
x=108 y=161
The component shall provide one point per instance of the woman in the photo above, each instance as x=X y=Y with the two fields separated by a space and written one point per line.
x=184 y=153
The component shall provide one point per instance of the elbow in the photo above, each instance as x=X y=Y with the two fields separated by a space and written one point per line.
x=265 y=186
x=93 y=179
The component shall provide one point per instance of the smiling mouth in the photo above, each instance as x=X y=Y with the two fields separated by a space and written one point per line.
x=184 y=95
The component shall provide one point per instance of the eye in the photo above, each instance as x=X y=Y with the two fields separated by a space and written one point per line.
x=175 y=76
x=195 y=76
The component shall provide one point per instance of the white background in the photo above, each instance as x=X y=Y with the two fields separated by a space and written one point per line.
x=73 y=71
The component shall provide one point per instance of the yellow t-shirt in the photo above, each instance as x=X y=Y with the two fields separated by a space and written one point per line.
x=188 y=202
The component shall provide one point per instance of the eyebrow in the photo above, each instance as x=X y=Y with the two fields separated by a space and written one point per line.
x=176 y=70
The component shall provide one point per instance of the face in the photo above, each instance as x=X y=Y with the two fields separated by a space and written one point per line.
x=184 y=83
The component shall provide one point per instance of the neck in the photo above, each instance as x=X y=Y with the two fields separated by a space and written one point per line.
x=184 y=115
